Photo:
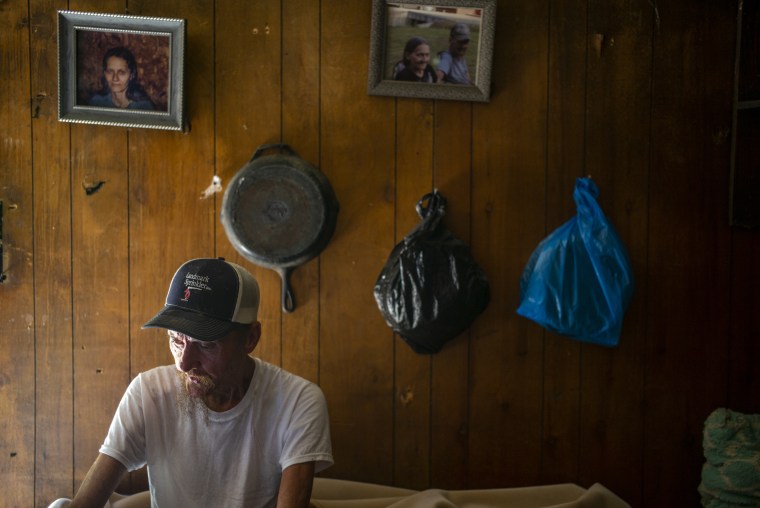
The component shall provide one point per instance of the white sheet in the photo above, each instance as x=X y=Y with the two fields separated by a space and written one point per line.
x=330 y=493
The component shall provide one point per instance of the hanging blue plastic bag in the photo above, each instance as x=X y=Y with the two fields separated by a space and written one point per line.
x=578 y=282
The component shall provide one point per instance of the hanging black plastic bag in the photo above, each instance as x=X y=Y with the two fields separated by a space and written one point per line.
x=430 y=289
x=578 y=282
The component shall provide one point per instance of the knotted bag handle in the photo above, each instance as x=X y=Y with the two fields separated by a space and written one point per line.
x=431 y=203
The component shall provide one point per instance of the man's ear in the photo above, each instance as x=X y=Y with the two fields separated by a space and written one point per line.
x=252 y=339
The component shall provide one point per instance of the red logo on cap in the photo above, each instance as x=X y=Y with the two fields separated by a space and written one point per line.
x=187 y=294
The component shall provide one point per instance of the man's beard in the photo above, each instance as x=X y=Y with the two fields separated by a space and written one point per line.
x=192 y=404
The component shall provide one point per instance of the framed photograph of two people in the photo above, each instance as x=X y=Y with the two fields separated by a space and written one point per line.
x=433 y=49
x=121 y=70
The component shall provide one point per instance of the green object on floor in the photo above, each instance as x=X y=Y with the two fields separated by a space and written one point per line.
x=731 y=473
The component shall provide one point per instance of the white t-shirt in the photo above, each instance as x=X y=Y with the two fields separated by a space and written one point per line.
x=233 y=458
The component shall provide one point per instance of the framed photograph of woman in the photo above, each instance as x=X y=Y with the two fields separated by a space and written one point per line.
x=434 y=49
x=121 y=70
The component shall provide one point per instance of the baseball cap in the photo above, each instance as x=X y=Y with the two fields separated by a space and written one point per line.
x=206 y=298
x=460 y=32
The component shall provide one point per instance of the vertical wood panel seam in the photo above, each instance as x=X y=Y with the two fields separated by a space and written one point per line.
x=129 y=243
x=584 y=164
x=72 y=314
x=468 y=374
x=130 y=372
x=282 y=140
x=394 y=386
x=429 y=478
x=318 y=338
x=646 y=325
x=217 y=204
x=34 y=264
x=431 y=413
x=645 y=296
x=547 y=113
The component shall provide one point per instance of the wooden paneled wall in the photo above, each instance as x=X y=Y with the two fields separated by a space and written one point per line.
x=635 y=93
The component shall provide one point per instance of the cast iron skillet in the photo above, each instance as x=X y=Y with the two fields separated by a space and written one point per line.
x=279 y=212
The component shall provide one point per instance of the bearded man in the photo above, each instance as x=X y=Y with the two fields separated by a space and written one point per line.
x=219 y=427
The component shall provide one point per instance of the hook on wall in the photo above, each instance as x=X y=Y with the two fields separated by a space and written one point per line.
x=2 y=254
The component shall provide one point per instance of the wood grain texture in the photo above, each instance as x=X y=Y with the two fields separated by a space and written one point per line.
x=566 y=161
x=356 y=346
x=507 y=223
x=414 y=177
x=248 y=95
x=52 y=265
x=100 y=276
x=618 y=110
x=450 y=380
x=301 y=93
x=100 y=284
x=168 y=222
x=17 y=348
x=688 y=247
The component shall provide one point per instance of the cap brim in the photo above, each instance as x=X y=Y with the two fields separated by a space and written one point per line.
x=193 y=324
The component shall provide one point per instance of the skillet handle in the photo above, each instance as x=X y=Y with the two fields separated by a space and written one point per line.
x=288 y=300
x=279 y=146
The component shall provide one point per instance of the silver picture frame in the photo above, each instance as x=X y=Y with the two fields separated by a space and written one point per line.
x=395 y=24
x=150 y=50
